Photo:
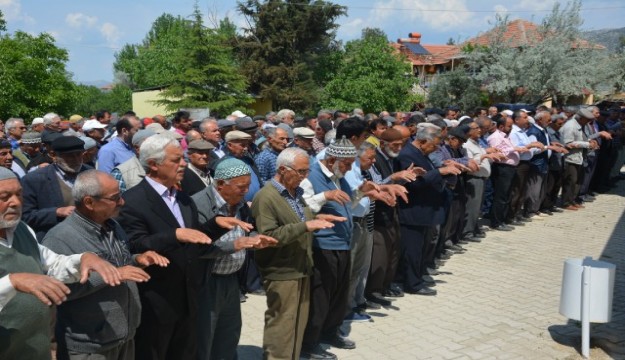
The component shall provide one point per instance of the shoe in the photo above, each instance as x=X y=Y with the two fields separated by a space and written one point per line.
x=579 y=206
x=503 y=227
x=357 y=317
x=516 y=223
x=534 y=217
x=368 y=305
x=431 y=271
x=339 y=342
x=444 y=257
x=571 y=207
x=556 y=209
x=397 y=290
x=379 y=298
x=425 y=291
x=242 y=298
x=473 y=239
x=260 y=292
x=317 y=353
x=427 y=278
x=463 y=242
x=455 y=248
x=542 y=214
x=524 y=219
x=546 y=212
x=479 y=235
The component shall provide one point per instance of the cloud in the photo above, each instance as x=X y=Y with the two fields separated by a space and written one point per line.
x=352 y=28
x=78 y=20
x=440 y=15
x=12 y=11
x=111 y=33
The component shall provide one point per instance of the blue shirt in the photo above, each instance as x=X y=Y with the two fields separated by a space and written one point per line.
x=355 y=180
x=114 y=153
x=266 y=163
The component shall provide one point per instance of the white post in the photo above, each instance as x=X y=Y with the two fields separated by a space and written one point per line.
x=586 y=311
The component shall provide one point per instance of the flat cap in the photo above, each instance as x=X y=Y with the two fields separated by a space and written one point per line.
x=141 y=135
x=200 y=145
x=586 y=114
x=304 y=132
x=155 y=127
x=89 y=142
x=237 y=135
x=65 y=144
x=75 y=118
x=459 y=132
x=245 y=124
x=223 y=123
x=390 y=135
x=49 y=137
x=37 y=121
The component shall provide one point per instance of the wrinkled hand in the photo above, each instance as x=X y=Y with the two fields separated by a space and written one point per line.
x=407 y=175
x=65 y=211
x=339 y=196
x=133 y=273
x=594 y=144
x=606 y=135
x=369 y=186
x=449 y=170
x=396 y=191
x=48 y=290
x=382 y=196
x=314 y=225
x=151 y=258
x=191 y=236
x=265 y=241
x=330 y=218
x=473 y=165
x=230 y=223
x=91 y=262
x=492 y=150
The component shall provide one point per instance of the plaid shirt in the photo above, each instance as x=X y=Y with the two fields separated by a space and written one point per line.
x=296 y=203
x=266 y=163
x=117 y=174
x=230 y=263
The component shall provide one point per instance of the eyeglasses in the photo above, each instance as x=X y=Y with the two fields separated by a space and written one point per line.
x=114 y=198
x=300 y=172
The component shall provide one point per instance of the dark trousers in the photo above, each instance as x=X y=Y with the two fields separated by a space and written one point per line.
x=454 y=224
x=601 y=178
x=249 y=276
x=384 y=258
x=571 y=181
x=552 y=189
x=219 y=317
x=158 y=341
x=589 y=171
x=329 y=289
x=411 y=262
x=518 y=191
x=502 y=177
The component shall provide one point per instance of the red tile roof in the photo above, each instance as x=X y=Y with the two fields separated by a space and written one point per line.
x=440 y=54
x=521 y=33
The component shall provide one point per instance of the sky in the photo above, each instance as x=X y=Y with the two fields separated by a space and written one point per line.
x=92 y=31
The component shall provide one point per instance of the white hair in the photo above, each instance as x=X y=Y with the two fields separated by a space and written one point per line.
x=329 y=137
x=287 y=156
x=540 y=114
x=86 y=184
x=364 y=147
x=49 y=117
x=153 y=148
x=11 y=123
x=284 y=112
x=206 y=121
x=428 y=133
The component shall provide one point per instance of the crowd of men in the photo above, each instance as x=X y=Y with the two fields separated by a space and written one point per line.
x=328 y=216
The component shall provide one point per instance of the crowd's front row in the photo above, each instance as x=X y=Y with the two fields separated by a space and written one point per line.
x=333 y=236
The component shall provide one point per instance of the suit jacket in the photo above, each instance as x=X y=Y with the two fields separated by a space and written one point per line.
x=383 y=214
x=191 y=183
x=171 y=293
x=42 y=196
x=428 y=194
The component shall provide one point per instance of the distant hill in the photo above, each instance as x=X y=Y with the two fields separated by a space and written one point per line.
x=610 y=38
x=96 y=83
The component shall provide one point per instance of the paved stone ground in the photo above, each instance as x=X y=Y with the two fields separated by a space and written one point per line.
x=499 y=300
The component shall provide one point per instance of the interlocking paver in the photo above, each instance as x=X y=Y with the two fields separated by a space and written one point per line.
x=499 y=300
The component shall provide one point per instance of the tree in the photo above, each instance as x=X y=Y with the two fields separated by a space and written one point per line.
x=458 y=88
x=451 y=41
x=210 y=77
x=552 y=64
x=289 y=49
x=373 y=77
x=90 y=99
x=3 y=23
x=33 y=79
x=156 y=61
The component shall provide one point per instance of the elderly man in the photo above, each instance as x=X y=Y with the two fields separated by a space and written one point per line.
x=37 y=125
x=210 y=132
x=196 y=175
x=31 y=278
x=51 y=124
x=220 y=309
x=266 y=161
x=418 y=218
x=119 y=149
x=30 y=148
x=158 y=217
x=48 y=191
x=576 y=142
x=14 y=128
x=327 y=192
x=304 y=140
x=95 y=130
x=130 y=172
x=281 y=212
x=286 y=116
x=116 y=310
x=237 y=143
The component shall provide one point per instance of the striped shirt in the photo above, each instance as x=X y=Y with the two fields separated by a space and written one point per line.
x=230 y=263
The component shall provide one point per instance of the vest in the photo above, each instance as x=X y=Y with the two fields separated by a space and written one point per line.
x=340 y=236
x=132 y=172
x=25 y=321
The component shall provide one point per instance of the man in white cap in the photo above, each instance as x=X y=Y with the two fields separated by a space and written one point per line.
x=37 y=125
x=32 y=277
x=304 y=140
x=95 y=130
